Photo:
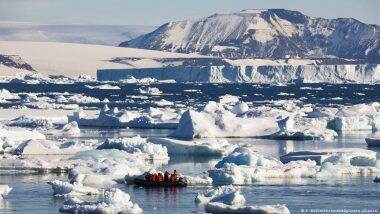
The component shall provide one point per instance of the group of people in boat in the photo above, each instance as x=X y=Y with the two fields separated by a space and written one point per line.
x=159 y=177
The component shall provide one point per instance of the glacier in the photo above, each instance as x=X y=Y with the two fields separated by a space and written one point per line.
x=344 y=73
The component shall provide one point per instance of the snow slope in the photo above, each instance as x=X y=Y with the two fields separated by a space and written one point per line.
x=272 y=33
x=85 y=34
x=71 y=60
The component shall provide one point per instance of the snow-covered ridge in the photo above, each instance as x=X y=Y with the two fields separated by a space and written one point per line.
x=273 y=33
x=85 y=34
x=362 y=73
x=72 y=60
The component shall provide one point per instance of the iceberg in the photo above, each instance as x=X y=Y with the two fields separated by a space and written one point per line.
x=357 y=117
x=215 y=121
x=302 y=128
x=107 y=166
x=113 y=201
x=244 y=166
x=246 y=156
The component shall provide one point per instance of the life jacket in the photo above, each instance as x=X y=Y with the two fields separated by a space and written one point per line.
x=160 y=178
x=173 y=177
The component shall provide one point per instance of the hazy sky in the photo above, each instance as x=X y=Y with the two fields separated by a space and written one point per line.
x=157 y=12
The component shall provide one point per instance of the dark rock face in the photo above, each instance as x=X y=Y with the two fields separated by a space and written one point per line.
x=15 y=62
x=273 y=33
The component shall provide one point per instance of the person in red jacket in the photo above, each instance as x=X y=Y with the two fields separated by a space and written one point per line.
x=160 y=177
x=174 y=176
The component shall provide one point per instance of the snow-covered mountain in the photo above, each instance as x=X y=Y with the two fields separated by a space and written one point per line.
x=85 y=34
x=272 y=33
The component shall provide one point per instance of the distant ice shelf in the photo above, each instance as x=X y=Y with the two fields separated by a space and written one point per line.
x=354 y=73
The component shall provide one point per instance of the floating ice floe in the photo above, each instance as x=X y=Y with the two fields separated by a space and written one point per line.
x=357 y=117
x=216 y=121
x=123 y=118
x=204 y=147
x=108 y=166
x=163 y=102
x=247 y=167
x=19 y=134
x=322 y=155
x=137 y=145
x=217 y=207
x=4 y=190
x=225 y=194
x=7 y=95
x=48 y=147
x=24 y=121
x=103 y=87
x=199 y=180
x=302 y=128
x=71 y=130
x=228 y=99
x=150 y=91
x=228 y=199
x=246 y=156
x=113 y=201
x=79 y=98
x=65 y=189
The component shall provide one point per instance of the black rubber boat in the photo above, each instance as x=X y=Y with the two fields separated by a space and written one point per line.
x=377 y=180
x=141 y=182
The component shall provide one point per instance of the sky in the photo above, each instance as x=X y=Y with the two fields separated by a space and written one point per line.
x=157 y=12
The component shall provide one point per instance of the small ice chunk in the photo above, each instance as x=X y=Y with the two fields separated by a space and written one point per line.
x=150 y=91
x=4 y=190
x=62 y=188
x=225 y=194
x=240 y=108
x=114 y=201
x=7 y=95
x=217 y=207
x=71 y=130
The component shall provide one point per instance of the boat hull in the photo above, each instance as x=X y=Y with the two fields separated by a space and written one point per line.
x=140 y=182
